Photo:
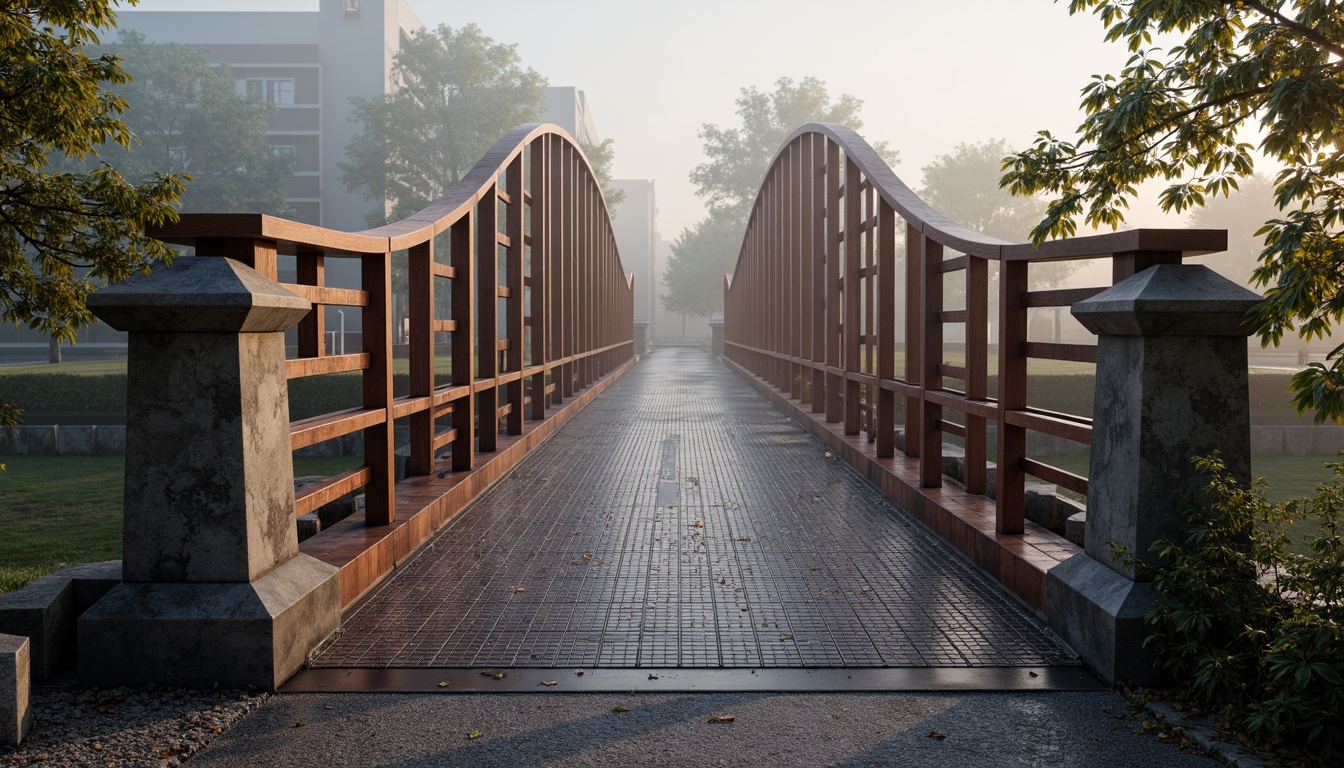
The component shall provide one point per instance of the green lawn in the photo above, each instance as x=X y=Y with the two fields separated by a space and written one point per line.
x=1289 y=477
x=65 y=510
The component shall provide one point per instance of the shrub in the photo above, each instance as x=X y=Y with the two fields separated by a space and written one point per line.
x=1247 y=627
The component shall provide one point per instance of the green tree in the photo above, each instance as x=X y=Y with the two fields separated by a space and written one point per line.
x=738 y=158
x=1179 y=115
x=601 y=157
x=62 y=233
x=188 y=118
x=460 y=92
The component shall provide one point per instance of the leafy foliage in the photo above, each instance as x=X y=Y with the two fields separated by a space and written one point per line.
x=63 y=233
x=1248 y=627
x=962 y=186
x=729 y=180
x=1178 y=115
x=189 y=119
x=460 y=92
x=600 y=157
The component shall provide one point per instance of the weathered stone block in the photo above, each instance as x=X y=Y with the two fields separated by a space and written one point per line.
x=33 y=441
x=109 y=439
x=199 y=634
x=1328 y=441
x=1075 y=528
x=1099 y=613
x=1267 y=441
x=75 y=440
x=46 y=610
x=15 y=716
x=1045 y=507
x=308 y=525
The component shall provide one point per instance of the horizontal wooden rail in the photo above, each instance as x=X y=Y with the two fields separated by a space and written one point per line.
x=540 y=309
x=819 y=309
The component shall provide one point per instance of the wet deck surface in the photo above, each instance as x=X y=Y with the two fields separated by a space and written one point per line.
x=681 y=520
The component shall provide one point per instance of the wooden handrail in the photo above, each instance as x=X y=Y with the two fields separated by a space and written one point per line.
x=812 y=304
x=566 y=321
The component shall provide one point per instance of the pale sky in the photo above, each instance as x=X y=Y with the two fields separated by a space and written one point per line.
x=931 y=74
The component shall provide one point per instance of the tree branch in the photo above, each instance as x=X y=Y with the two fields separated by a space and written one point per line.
x=1304 y=31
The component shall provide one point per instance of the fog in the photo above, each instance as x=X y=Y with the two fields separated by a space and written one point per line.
x=931 y=75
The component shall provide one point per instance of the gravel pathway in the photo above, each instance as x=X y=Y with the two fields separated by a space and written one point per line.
x=125 y=727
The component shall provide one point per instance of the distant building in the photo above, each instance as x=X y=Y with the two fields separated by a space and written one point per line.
x=309 y=64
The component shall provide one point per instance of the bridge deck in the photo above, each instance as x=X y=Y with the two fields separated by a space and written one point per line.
x=682 y=520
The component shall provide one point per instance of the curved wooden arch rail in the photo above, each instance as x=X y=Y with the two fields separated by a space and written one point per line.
x=810 y=313
x=566 y=323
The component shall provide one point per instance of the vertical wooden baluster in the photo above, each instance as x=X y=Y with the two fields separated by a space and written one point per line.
x=540 y=268
x=1010 y=496
x=886 y=329
x=914 y=339
x=870 y=332
x=820 y=296
x=834 y=298
x=806 y=259
x=376 y=330
x=568 y=306
x=514 y=272
x=977 y=369
x=853 y=290
x=463 y=256
x=313 y=328
x=487 y=319
x=555 y=264
x=931 y=438
x=420 y=348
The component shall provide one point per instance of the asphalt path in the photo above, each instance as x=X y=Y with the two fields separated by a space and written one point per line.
x=926 y=729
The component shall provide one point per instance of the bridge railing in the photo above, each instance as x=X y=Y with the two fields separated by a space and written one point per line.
x=538 y=307
x=813 y=306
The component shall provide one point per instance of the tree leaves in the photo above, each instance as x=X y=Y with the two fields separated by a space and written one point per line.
x=460 y=92
x=1176 y=115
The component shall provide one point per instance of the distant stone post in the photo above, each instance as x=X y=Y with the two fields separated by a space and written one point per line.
x=641 y=337
x=213 y=589
x=1171 y=384
x=716 y=335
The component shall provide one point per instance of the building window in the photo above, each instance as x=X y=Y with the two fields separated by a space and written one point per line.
x=283 y=150
x=277 y=90
x=351 y=7
x=177 y=156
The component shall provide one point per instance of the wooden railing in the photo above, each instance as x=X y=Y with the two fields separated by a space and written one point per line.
x=540 y=308
x=812 y=309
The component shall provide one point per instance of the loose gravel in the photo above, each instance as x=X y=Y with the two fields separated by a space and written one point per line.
x=125 y=727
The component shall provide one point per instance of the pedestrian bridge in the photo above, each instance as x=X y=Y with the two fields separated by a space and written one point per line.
x=571 y=501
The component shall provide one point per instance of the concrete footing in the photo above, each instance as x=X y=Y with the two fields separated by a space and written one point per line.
x=15 y=716
x=46 y=612
x=237 y=634
x=1102 y=612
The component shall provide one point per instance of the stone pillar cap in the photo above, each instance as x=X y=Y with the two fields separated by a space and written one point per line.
x=1169 y=300
x=206 y=294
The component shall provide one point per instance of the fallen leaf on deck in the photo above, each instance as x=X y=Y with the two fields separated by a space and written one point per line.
x=548 y=682
x=578 y=673
x=653 y=677
x=520 y=589
x=699 y=523
x=785 y=637
x=936 y=735
x=620 y=708
x=587 y=555
x=722 y=719
x=474 y=735
x=443 y=685
x=494 y=675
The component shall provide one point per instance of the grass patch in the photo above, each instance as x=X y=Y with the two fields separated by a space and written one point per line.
x=66 y=510
x=1289 y=477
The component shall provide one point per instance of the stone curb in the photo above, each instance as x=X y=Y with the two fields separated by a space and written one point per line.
x=1203 y=731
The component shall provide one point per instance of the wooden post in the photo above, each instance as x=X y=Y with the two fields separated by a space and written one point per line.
x=931 y=435
x=1010 y=496
x=420 y=347
x=312 y=331
x=514 y=324
x=914 y=339
x=463 y=256
x=834 y=383
x=376 y=330
x=977 y=369
x=853 y=291
x=540 y=270
x=885 y=421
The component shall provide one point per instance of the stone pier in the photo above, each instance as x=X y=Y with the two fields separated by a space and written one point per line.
x=214 y=589
x=1171 y=384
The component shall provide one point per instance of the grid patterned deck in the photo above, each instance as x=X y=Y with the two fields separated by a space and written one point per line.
x=681 y=520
